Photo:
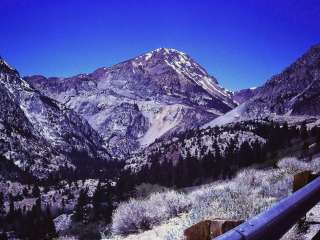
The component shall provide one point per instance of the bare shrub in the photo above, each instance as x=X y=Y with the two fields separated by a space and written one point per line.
x=292 y=165
x=136 y=215
x=248 y=194
x=129 y=217
x=176 y=203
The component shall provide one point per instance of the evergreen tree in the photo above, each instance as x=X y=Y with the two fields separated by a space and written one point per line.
x=303 y=131
x=257 y=152
x=125 y=185
x=3 y=236
x=10 y=215
x=36 y=191
x=63 y=204
x=79 y=213
x=97 y=199
x=245 y=154
x=2 y=208
x=206 y=162
x=109 y=196
x=49 y=225
x=218 y=160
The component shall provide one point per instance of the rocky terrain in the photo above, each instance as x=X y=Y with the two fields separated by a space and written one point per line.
x=292 y=93
x=243 y=95
x=133 y=103
x=39 y=134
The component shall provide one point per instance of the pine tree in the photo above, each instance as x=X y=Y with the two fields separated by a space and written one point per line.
x=49 y=225
x=2 y=208
x=257 y=152
x=97 y=199
x=218 y=160
x=3 y=236
x=79 y=213
x=245 y=154
x=304 y=131
x=10 y=215
x=63 y=204
x=36 y=191
x=108 y=208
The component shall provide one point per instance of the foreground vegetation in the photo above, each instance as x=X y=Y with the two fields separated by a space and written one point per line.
x=250 y=192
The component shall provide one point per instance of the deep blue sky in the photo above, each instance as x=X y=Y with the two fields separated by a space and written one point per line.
x=242 y=43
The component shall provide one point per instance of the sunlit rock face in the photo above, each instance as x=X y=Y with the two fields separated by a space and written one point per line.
x=295 y=91
x=135 y=102
x=293 y=95
x=39 y=134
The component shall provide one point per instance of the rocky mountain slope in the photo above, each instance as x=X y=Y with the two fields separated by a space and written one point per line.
x=38 y=134
x=294 y=92
x=243 y=95
x=133 y=103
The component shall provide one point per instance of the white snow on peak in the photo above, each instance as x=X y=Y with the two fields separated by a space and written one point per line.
x=168 y=51
x=147 y=56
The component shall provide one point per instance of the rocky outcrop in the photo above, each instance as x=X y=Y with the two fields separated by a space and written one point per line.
x=39 y=134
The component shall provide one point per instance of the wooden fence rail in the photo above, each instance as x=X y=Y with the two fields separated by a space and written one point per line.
x=275 y=222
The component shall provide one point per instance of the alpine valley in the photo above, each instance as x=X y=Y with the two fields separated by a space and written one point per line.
x=142 y=149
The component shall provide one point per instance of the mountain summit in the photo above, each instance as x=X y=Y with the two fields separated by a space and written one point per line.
x=133 y=103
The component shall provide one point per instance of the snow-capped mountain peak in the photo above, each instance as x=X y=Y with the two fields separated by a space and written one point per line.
x=133 y=103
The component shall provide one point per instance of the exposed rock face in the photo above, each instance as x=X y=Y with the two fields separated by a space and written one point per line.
x=133 y=103
x=292 y=91
x=243 y=95
x=37 y=133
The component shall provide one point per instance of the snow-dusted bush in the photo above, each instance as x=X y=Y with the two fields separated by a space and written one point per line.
x=293 y=165
x=315 y=165
x=276 y=184
x=248 y=194
x=204 y=195
x=136 y=215
x=175 y=202
x=130 y=216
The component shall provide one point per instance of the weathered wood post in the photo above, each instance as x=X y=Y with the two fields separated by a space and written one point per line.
x=208 y=229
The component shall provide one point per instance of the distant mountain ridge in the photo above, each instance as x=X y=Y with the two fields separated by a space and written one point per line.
x=243 y=95
x=133 y=103
x=294 y=92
